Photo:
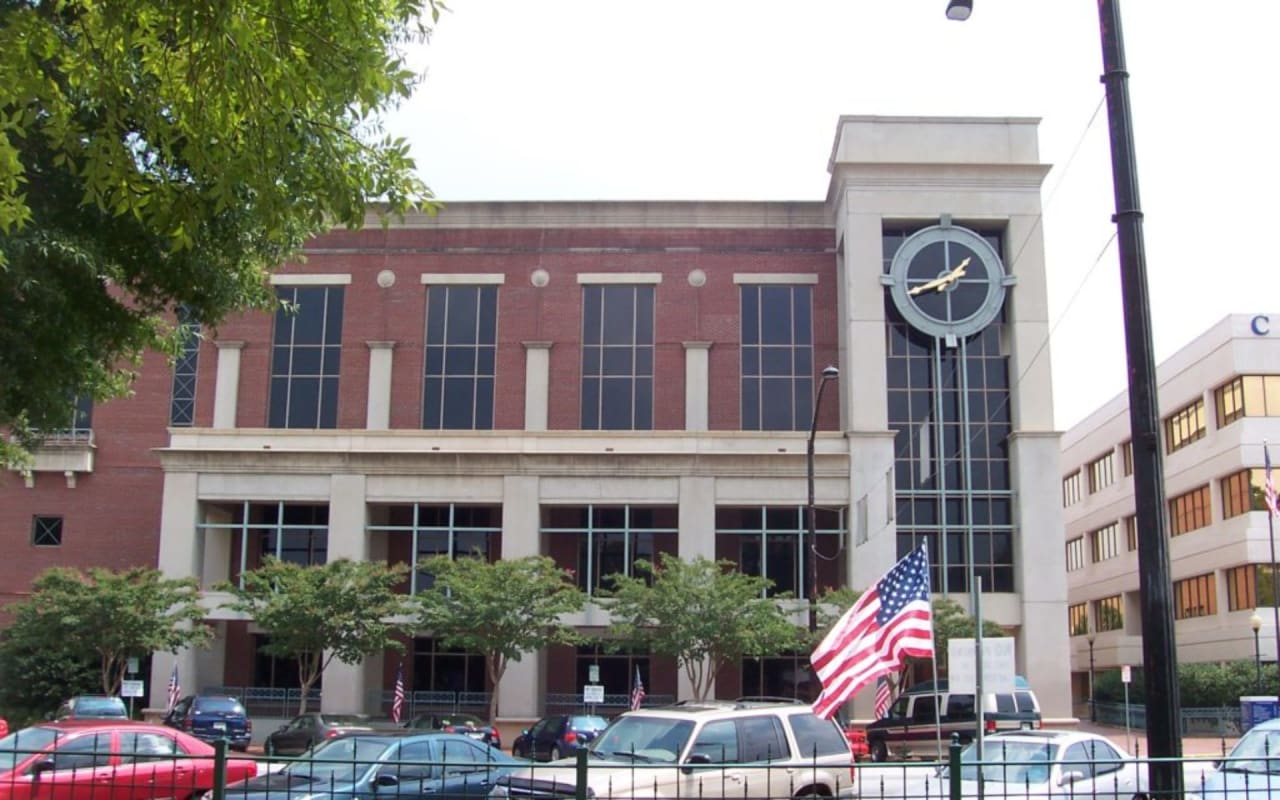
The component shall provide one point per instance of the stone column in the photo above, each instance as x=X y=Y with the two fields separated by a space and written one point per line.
x=537 y=384
x=523 y=683
x=378 y=412
x=344 y=684
x=696 y=382
x=226 y=391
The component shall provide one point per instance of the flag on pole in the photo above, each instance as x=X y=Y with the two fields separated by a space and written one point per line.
x=175 y=690
x=884 y=696
x=890 y=621
x=397 y=699
x=1270 y=484
x=637 y=692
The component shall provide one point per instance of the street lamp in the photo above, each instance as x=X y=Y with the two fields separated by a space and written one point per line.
x=1093 y=708
x=828 y=373
x=1159 y=652
x=1255 y=622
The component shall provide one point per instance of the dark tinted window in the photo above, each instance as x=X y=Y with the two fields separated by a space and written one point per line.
x=1026 y=702
x=817 y=737
x=762 y=739
x=960 y=706
x=219 y=705
x=925 y=709
x=1005 y=704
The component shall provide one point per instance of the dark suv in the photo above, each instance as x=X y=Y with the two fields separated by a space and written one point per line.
x=211 y=717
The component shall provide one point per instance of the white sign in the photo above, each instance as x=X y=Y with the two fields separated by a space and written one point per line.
x=1126 y=674
x=131 y=688
x=131 y=665
x=593 y=694
x=593 y=673
x=997 y=665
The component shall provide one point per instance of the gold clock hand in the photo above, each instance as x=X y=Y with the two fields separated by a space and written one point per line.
x=942 y=281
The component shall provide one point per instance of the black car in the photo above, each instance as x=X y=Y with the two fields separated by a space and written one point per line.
x=557 y=736
x=211 y=717
x=305 y=730
x=397 y=764
x=466 y=724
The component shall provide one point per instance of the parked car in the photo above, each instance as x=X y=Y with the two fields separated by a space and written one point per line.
x=702 y=750
x=1050 y=763
x=78 y=759
x=466 y=724
x=211 y=717
x=398 y=764
x=928 y=713
x=303 y=731
x=557 y=736
x=1251 y=770
x=92 y=706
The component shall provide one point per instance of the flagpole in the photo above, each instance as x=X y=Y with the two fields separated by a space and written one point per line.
x=1271 y=539
x=933 y=657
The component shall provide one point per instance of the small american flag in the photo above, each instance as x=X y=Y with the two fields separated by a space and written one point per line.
x=397 y=699
x=1270 y=485
x=175 y=690
x=637 y=692
x=890 y=621
x=884 y=696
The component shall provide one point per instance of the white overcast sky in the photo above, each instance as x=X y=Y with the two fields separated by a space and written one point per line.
x=738 y=100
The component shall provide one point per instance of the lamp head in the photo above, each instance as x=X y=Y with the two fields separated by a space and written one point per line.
x=829 y=372
x=959 y=10
x=1255 y=622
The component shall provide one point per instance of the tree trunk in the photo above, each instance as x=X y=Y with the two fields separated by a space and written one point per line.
x=495 y=665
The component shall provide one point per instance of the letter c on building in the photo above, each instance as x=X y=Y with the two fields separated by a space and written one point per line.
x=1260 y=325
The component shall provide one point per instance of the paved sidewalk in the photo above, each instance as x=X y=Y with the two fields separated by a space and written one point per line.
x=1136 y=741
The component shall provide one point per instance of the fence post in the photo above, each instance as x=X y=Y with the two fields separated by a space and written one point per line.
x=220 y=769
x=580 y=787
x=953 y=766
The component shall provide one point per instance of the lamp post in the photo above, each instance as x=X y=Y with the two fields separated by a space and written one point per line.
x=1159 y=654
x=828 y=373
x=1255 y=622
x=1093 y=707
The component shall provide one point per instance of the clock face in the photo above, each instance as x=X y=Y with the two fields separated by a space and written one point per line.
x=947 y=281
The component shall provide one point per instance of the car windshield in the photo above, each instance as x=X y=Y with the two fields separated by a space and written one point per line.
x=1257 y=751
x=219 y=705
x=101 y=706
x=19 y=745
x=340 y=760
x=649 y=739
x=588 y=723
x=470 y=720
x=1009 y=761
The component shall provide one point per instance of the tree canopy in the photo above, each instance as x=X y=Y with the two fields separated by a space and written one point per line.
x=500 y=609
x=704 y=613
x=341 y=609
x=75 y=619
x=157 y=156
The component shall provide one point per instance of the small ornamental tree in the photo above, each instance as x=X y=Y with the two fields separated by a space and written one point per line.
x=704 y=613
x=108 y=617
x=343 y=609
x=500 y=610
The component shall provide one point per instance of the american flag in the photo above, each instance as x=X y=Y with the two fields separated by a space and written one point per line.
x=175 y=690
x=1270 y=485
x=397 y=699
x=637 y=692
x=884 y=696
x=890 y=621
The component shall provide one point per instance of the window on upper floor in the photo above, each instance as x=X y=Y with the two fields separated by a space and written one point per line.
x=597 y=542
x=771 y=541
x=1102 y=472
x=182 y=397
x=1109 y=612
x=1184 y=426
x=1244 y=491
x=460 y=358
x=617 y=357
x=1078 y=619
x=1131 y=531
x=46 y=531
x=306 y=355
x=1250 y=586
x=1247 y=396
x=777 y=357
x=1189 y=511
x=1072 y=489
x=1105 y=542
x=1126 y=458
x=422 y=530
x=1075 y=554
x=1195 y=597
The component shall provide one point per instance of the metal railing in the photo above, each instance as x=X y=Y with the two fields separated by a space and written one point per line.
x=1194 y=721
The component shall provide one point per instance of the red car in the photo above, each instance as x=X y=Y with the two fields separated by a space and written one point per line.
x=108 y=760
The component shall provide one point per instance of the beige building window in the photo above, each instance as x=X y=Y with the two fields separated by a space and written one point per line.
x=1078 y=619
x=1109 y=611
x=1184 y=427
x=1247 y=396
x=1105 y=542
x=1075 y=554
x=1072 y=489
x=1131 y=531
x=1244 y=491
x=1189 y=511
x=1102 y=472
x=1194 y=597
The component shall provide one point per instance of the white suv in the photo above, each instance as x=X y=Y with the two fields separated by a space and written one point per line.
x=701 y=750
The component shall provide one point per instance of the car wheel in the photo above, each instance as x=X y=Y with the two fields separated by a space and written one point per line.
x=879 y=750
x=556 y=753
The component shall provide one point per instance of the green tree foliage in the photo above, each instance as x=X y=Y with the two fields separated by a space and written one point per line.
x=92 y=623
x=500 y=609
x=156 y=155
x=951 y=621
x=1204 y=685
x=343 y=609
x=703 y=613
